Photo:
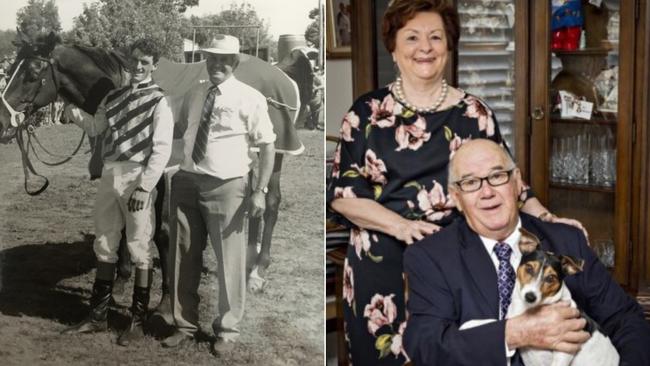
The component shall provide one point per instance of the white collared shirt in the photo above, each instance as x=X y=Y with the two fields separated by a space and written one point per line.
x=515 y=258
x=239 y=120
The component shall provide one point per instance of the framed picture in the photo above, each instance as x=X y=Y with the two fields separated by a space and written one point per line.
x=339 y=28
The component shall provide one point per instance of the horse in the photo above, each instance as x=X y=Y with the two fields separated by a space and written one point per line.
x=81 y=75
x=44 y=70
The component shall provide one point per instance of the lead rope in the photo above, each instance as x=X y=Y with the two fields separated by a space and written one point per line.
x=28 y=167
x=66 y=158
x=27 y=164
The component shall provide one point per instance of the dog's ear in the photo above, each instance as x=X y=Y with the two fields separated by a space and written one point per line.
x=528 y=242
x=571 y=265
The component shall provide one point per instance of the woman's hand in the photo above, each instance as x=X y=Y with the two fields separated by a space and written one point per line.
x=370 y=215
x=410 y=231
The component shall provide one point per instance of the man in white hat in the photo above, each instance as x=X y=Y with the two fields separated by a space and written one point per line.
x=210 y=192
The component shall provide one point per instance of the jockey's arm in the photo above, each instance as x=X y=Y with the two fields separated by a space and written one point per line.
x=92 y=125
x=163 y=133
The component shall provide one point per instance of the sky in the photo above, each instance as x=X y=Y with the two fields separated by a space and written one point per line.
x=283 y=16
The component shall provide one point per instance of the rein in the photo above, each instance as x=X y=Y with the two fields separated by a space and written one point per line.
x=27 y=164
x=25 y=146
x=24 y=128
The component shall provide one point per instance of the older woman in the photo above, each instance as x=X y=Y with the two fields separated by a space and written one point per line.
x=390 y=173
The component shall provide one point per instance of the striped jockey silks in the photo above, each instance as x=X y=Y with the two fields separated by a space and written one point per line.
x=130 y=123
x=201 y=140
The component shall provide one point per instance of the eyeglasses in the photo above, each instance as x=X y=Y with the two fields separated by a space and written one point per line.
x=495 y=179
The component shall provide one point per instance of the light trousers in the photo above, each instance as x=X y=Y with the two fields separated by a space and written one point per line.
x=203 y=205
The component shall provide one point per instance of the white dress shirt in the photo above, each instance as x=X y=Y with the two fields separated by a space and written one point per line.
x=515 y=258
x=239 y=120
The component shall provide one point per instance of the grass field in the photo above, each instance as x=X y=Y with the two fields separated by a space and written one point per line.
x=47 y=268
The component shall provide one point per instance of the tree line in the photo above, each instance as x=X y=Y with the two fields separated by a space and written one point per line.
x=114 y=24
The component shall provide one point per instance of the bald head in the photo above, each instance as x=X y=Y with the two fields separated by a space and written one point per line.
x=474 y=150
x=490 y=202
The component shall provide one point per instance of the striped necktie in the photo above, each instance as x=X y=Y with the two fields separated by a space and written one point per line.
x=201 y=141
x=505 y=277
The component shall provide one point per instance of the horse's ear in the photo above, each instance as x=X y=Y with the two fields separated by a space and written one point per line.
x=21 y=37
x=53 y=38
x=49 y=42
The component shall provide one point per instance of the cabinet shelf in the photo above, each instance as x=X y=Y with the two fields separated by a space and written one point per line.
x=596 y=51
x=595 y=120
x=581 y=187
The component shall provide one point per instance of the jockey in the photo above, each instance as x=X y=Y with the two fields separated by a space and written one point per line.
x=136 y=125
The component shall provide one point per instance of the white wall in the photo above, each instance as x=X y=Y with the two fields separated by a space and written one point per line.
x=338 y=93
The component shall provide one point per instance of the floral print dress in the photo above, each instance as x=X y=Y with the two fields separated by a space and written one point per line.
x=398 y=158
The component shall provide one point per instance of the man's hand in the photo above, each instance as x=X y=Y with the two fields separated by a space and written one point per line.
x=410 y=231
x=71 y=114
x=257 y=204
x=555 y=327
x=137 y=200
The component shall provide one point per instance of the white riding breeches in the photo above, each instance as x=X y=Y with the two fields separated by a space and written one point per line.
x=111 y=215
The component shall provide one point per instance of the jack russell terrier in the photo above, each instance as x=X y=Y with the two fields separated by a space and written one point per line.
x=540 y=282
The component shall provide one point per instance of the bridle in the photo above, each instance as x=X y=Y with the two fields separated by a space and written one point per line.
x=18 y=119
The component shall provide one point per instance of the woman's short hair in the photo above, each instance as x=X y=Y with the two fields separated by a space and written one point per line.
x=399 y=12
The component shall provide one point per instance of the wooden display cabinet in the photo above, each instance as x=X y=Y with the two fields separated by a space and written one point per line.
x=609 y=206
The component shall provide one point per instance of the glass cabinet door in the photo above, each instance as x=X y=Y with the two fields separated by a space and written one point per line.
x=587 y=122
x=486 y=58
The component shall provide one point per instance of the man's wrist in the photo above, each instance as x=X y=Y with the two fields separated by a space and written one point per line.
x=514 y=333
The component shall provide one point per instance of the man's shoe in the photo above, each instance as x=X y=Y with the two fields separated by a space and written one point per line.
x=222 y=346
x=131 y=334
x=164 y=310
x=175 y=339
x=88 y=325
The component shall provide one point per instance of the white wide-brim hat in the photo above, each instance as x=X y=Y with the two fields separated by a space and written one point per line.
x=222 y=44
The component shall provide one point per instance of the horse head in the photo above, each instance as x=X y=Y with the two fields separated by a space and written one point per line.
x=31 y=82
x=45 y=69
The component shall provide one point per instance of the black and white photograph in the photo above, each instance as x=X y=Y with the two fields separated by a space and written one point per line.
x=162 y=194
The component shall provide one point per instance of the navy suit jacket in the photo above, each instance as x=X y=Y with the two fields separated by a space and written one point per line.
x=452 y=280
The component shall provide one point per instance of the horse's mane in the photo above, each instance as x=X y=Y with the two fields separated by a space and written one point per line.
x=110 y=62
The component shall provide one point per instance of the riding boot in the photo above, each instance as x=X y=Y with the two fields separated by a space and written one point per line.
x=135 y=330
x=96 y=320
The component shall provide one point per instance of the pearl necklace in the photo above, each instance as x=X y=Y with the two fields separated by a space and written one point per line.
x=399 y=93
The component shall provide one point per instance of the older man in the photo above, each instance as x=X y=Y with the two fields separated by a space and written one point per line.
x=208 y=197
x=462 y=274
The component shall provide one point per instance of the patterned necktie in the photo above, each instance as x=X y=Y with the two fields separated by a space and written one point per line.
x=201 y=141
x=505 y=277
